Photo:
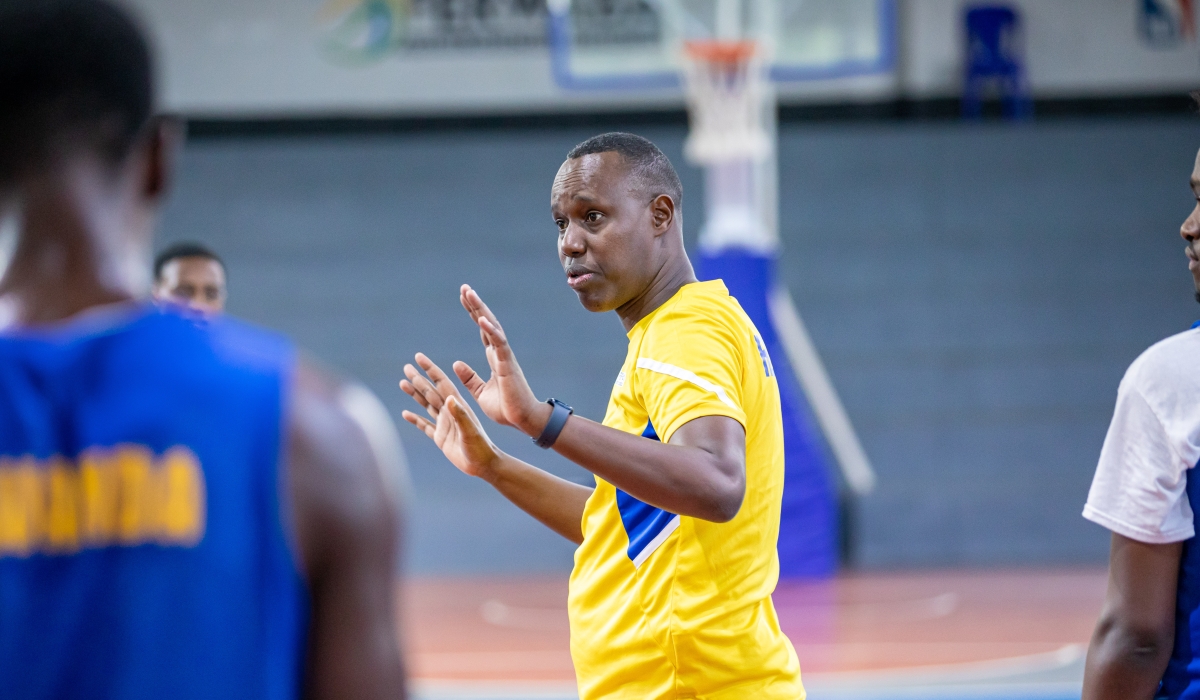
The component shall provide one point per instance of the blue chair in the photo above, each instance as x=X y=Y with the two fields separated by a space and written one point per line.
x=1160 y=27
x=994 y=59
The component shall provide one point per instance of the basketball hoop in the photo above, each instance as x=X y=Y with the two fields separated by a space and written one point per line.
x=726 y=85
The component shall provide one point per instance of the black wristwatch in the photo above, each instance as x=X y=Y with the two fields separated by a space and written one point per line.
x=558 y=418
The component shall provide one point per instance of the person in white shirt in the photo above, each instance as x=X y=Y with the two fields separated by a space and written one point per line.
x=1146 y=644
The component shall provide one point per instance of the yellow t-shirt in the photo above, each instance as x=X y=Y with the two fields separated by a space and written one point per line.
x=667 y=606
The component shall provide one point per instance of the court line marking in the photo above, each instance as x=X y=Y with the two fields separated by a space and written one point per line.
x=1018 y=691
x=479 y=690
x=559 y=691
x=492 y=661
x=944 y=674
x=946 y=680
x=941 y=605
x=500 y=614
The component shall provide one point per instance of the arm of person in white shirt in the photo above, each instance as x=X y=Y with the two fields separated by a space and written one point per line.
x=1135 y=635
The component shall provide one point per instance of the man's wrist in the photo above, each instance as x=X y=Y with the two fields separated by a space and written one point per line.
x=536 y=419
x=495 y=469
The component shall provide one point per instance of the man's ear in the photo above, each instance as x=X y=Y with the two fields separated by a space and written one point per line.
x=163 y=142
x=662 y=213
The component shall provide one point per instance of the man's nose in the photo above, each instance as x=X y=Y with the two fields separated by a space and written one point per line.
x=1190 y=230
x=572 y=244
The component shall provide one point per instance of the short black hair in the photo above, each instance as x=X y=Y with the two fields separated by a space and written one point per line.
x=72 y=73
x=186 y=249
x=646 y=161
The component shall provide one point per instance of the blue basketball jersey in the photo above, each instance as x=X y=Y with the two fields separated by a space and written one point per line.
x=143 y=550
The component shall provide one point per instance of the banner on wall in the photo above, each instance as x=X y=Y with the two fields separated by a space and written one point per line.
x=371 y=29
x=275 y=58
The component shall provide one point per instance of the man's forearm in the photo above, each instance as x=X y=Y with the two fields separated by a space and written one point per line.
x=677 y=478
x=556 y=503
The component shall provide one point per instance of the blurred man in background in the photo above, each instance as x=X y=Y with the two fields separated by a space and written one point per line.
x=186 y=510
x=192 y=275
x=1147 y=641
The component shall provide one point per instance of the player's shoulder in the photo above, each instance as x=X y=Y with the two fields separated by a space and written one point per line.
x=231 y=342
x=704 y=307
x=235 y=335
x=221 y=328
x=1170 y=366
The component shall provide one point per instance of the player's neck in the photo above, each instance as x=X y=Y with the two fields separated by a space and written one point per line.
x=66 y=257
x=667 y=282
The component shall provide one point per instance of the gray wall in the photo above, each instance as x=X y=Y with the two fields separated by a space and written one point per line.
x=976 y=291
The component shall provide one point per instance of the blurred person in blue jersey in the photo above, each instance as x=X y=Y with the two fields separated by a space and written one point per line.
x=187 y=510
x=191 y=275
x=1146 y=491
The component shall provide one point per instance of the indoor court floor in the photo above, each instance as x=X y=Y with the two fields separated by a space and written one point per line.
x=946 y=635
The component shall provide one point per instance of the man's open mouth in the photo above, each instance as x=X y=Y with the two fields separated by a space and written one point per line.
x=579 y=275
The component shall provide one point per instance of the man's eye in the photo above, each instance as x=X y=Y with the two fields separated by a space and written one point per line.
x=592 y=217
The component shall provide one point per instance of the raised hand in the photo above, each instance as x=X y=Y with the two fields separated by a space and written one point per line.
x=454 y=429
x=505 y=397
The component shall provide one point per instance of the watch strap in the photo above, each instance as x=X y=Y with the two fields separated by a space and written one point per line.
x=558 y=419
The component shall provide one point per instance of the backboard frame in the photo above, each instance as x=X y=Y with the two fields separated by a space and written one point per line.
x=559 y=40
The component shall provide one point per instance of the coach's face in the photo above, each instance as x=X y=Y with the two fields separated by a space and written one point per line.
x=1190 y=230
x=606 y=230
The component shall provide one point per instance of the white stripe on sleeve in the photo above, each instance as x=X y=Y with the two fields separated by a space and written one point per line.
x=687 y=376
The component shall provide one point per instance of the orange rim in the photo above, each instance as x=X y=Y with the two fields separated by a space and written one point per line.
x=721 y=51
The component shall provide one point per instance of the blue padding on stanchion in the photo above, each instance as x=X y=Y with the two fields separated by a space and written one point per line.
x=808 y=523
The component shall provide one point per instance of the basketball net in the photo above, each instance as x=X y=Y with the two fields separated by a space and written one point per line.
x=727 y=92
x=728 y=98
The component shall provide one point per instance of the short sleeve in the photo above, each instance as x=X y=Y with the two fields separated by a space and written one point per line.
x=688 y=367
x=1139 y=490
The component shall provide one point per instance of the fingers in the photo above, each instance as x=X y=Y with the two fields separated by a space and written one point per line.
x=422 y=424
x=470 y=378
x=475 y=312
x=467 y=303
x=490 y=331
x=496 y=338
x=463 y=416
x=423 y=391
x=474 y=305
x=407 y=387
x=444 y=386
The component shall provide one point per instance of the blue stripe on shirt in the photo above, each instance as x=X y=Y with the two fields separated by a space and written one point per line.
x=643 y=522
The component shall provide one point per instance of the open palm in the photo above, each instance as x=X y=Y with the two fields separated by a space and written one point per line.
x=505 y=397
x=454 y=429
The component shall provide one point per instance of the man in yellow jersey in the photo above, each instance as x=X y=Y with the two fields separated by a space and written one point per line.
x=671 y=592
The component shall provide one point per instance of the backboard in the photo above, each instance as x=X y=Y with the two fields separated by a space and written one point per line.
x=632 y=44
